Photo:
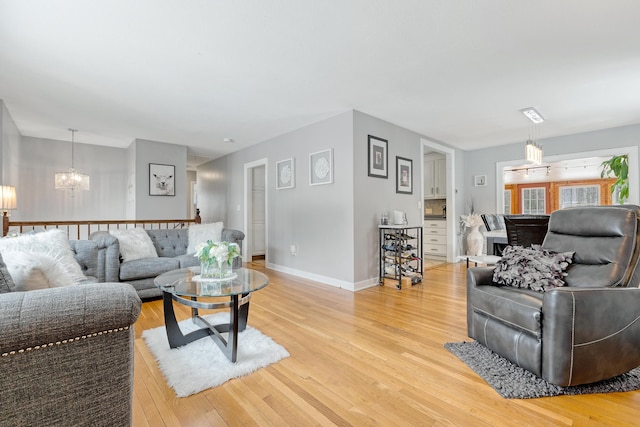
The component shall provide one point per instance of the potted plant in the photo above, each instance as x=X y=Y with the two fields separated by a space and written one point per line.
x=619 y=167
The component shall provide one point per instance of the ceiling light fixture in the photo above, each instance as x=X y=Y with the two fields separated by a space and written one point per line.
x=229 y=140
x=71 y=179
x=533 y=151
x=533 y=115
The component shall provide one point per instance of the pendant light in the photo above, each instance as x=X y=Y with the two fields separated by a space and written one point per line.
x=72 y=179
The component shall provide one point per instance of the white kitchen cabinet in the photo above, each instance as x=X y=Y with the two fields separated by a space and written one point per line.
x=435 y=239
x=435 y=176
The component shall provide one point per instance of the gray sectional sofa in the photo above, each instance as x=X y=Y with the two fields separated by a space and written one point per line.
x=170 y=244
x=66 y=354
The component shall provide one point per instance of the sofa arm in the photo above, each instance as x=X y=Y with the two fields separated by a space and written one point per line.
x=590 y=334
x=66 y=355
x=108 y=262
x=51 y=315
x=86 y=254
x=234 y=236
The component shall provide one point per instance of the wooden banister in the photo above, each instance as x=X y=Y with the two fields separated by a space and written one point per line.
x=82 y=229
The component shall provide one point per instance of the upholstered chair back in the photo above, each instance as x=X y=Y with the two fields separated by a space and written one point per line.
x=605 y=242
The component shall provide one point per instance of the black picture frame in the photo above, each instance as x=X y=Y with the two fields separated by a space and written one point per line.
x=162 y=180
x=378 y=157
x=404 y=175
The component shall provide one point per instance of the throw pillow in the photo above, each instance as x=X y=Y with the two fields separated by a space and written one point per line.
x=52 y=244
x=532 y=268
x=6 y=283
x=31 y=271
x=135 y=243
x=200 y=233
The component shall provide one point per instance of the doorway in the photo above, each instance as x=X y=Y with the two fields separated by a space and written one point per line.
x=632 y=152
x=255 y=211
x=451 y=223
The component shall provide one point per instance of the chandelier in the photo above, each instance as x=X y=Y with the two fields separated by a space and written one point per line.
x=72 y=179
x=532 y=150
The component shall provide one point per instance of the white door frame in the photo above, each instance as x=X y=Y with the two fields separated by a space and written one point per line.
x=450 y=162
x=248 y=190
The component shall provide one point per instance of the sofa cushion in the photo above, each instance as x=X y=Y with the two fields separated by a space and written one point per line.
x=31 y=271
x=147 y=267
x=187 y=260
x=168 y=242
x=532 y=268
x=135 y=244
x=51 y=244
x=6 y=283
x=200 y=233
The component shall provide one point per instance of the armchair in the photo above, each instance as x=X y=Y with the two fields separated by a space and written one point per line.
x=583 y=332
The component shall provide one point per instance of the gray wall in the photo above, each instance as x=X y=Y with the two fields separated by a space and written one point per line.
x=483 y=162
x=160 y=207
x=10 y=148
x=317 y=219
x=372 y=196
x=335 y=226
x=39 y=201
x=119 y=178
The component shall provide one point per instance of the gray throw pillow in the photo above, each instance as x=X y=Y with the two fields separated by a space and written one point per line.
x=532 y=268
x=6 y=282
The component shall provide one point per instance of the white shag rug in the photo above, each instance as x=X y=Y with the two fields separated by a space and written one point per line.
x=201 y=364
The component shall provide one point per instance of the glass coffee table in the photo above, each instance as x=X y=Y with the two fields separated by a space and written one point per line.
x=185 y=287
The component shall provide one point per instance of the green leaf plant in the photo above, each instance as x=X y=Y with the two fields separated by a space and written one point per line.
x=619 y=167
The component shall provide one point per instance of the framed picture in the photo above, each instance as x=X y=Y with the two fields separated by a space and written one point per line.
x=321 y=167
x=404 y=175
x=162 y=180
x=285 y=174
x=378 y=157
x=480 y=180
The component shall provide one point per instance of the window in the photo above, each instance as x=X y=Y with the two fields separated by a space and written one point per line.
x=582 y=195
x=533 y=201
x=507 y=202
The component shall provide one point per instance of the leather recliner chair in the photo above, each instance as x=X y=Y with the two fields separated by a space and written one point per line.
x=585 y=331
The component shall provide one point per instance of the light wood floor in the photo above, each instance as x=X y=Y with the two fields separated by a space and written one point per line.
x=374 y=357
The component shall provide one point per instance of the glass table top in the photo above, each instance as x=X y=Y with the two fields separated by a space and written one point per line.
x=181 y=282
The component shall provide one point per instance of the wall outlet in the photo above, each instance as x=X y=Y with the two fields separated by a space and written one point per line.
x=294 y=250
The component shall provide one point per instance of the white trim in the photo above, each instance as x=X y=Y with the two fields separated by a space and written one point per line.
x=634 y=173
x=248 y=185
x=342 y=284
x=452 y=230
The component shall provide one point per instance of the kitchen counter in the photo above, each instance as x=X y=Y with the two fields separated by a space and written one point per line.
x=434 y=217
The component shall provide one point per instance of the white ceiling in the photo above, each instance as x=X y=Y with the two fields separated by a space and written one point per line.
x=195 y=72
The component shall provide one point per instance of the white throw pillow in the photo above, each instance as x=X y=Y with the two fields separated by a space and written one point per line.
x=200 y=233
x=31 y=271
x=48 y=251
x=135 y=243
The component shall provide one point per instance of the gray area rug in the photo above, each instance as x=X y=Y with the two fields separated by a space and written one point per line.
x=513 y=382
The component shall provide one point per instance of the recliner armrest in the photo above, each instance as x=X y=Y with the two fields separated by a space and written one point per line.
x=593 y=330
x=477 y=276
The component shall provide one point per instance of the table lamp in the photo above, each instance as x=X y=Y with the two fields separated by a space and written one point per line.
x=7 y=202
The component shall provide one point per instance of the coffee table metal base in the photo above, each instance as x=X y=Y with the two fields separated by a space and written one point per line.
x=238 y=311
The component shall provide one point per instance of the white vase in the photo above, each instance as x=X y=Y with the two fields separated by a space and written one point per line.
x=475 y=241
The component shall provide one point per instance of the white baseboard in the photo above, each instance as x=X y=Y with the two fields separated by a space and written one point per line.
x=342 y=284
